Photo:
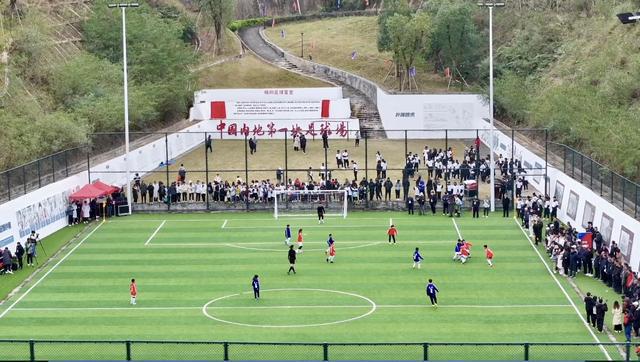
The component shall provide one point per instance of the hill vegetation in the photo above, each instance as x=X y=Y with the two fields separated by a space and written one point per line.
x=57 y=87
x=569 y=66
x=52 y=103
x=576 y=70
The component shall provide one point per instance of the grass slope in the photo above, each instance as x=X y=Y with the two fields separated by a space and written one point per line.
x=192 y=260
x=359 y=34
x=250 y=72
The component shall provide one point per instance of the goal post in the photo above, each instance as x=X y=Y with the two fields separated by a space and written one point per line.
x=304 y=203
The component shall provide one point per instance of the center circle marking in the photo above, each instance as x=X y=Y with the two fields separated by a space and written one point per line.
x=367 y=313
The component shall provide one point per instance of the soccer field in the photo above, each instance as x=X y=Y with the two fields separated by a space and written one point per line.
x=194 y=278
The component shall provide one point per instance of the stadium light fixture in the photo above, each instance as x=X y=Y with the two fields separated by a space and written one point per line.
x=629 y=18
x=492 y=177
x=124 y=6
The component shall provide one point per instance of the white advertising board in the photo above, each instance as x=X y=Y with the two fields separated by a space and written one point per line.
x=432 y=112
x=251 y=110
x=268 y=94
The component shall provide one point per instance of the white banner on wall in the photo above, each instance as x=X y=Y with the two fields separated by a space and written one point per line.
x=43 y=210
x=432 y=112
x=268 y=94
x=286 y=110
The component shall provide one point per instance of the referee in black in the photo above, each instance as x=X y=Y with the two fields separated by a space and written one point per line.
x=292 y=260
x=321 y=212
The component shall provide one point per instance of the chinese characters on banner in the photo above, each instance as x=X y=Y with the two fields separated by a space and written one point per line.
x=269 y=129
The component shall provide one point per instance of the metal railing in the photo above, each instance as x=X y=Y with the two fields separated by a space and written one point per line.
x=32 y=350
x=617 y=189
x=31 y=176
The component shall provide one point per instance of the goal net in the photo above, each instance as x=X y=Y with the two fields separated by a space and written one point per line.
x=305 y=203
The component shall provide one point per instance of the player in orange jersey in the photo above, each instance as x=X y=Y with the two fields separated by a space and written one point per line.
x=133 y=290
x=332 y=253
x=489 y=254
x=300 y=241
x=392 y=232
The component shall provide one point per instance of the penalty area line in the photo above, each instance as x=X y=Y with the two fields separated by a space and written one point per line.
x=155 y=232
x=457 y=229
x=224 y=224
x=586 y=325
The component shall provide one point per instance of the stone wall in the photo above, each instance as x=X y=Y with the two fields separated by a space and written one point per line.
x=367 y=87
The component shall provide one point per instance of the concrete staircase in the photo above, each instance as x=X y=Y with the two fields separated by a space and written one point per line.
x=362 y=107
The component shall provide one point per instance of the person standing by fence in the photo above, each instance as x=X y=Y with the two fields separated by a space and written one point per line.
x=601 y=310
x=19 y=254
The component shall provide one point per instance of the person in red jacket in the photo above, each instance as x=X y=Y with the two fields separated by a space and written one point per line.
x=392 y=232
x=133 y=290
x=489 y=254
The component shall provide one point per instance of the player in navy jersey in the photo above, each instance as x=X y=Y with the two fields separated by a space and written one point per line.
x=287 y=235
x=432 y=292
x=456 y=252
x=255 y=283
x=330 y=242
x=417 y=258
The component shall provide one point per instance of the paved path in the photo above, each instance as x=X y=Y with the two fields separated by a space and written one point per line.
x=361 y=106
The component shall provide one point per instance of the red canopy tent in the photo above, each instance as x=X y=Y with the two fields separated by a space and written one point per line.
x=103 y=186
x=89 y=191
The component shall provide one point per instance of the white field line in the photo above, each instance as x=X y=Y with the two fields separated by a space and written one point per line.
x=457 y=229
x=306 y=242
x=155 y=232
x=260 y=227
x=390 y=222
x=586 y=325
x=244 y=220
x=49 y=271
x=53 y=309
x=224 y=224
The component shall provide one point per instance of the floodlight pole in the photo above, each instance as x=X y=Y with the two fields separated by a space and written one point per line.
x=492 y=180
x=123 y=7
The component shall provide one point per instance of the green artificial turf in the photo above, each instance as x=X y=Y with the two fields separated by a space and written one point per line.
x=51 y=245
x=193 y=267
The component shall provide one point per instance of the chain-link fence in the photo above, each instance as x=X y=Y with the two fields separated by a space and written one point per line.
x=198 y=161
x=618 y=190
x=31 y=176
x=215 y=162
x=32 y=350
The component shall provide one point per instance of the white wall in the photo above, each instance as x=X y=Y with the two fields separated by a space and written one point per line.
x=268 y=94
x=43 y=210
x=273 y=110
x=573 y=198
x=432 y=112
x=149 y=156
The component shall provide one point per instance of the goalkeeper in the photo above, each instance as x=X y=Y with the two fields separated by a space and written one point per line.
x=321 y=213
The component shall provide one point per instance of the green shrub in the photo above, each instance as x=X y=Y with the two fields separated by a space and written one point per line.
x=247 y=23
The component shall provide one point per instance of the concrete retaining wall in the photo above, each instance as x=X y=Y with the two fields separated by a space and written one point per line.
x=369 y=88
